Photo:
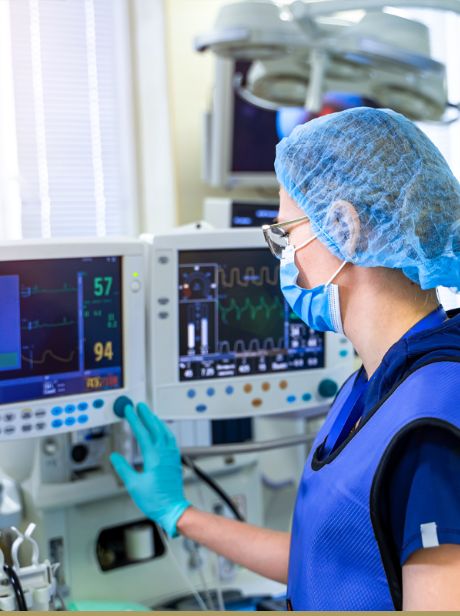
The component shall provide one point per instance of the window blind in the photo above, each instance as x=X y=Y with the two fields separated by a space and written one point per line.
x=71 y=85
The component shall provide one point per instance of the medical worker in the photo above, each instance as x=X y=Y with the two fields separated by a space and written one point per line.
x=369 y=227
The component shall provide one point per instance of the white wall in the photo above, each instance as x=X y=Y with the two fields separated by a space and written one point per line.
x=190 y=77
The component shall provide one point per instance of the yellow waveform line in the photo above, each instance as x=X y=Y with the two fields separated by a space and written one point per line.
x=50 y=353
x=250 y=277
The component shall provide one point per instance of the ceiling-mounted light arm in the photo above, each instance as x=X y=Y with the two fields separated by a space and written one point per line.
x=311 y=9
x=319 y=60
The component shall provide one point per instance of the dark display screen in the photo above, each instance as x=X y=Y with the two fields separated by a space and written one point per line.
x=247 y=214
x=256 y=130
x=234 y=320
x=60 y=327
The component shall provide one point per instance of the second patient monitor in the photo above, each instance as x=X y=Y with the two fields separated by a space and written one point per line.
x=224 y=343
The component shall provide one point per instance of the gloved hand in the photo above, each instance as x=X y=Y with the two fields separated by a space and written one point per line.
x=158 y=490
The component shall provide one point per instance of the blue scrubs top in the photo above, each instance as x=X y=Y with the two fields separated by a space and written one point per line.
x=422 y=478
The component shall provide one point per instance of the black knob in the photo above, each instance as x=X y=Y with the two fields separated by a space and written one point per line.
x=79 y=453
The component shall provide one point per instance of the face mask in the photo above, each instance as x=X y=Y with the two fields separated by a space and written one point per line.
x=319 y=308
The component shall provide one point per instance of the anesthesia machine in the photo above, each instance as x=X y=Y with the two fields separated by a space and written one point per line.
x=194 y=323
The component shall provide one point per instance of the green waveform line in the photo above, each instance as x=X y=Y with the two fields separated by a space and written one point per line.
x=36 y=290
x=253 y=309
x=37 y=325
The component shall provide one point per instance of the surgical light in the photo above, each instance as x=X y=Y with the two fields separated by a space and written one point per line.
x=299 y=51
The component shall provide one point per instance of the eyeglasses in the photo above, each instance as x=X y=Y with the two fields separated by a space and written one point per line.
x=277 y=237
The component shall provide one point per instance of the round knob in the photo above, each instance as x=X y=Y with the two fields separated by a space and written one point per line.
x=120 y=404
x=79 y=453
x=327 y=388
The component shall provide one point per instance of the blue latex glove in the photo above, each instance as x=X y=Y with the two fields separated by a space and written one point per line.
x=158 y=490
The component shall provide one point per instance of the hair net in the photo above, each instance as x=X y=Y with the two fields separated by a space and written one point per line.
x=406 y=197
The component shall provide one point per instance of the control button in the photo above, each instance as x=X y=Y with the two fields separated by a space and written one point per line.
x=283 y=384
x=26 y=413
x=163 y=260
x=56 y=423
x=136 y=286
x=56 y=410
x=79 y=453
x=343 y=353
x=163 y=315
x=41 y=425
x=343 y=340
x=26 y=428
x=70 y=408
x=327 y=388
x=69 y=421
x=82 y=406
x=98 y=404
x=120 y=404
x=229 y=390
x=256 y=402
x=9 y=417
x=191 y=393
x=82 y=419
x=201 y=408
x=265 y=386
x=40 y=413
x=9 y=430
x=306 y=397
x=210 y=391
x=291 y=399
x=163 y=301
x=247 y=388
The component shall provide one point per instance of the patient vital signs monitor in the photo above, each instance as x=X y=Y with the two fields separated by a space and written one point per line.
x=71 y=334
x=224 y=343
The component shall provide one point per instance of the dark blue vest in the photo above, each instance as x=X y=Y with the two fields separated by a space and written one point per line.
x=339 y=558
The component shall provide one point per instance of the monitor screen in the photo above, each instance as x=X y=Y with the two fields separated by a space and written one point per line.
x=234 y=320
x=256 y=130
x=250 y=214
x=60 y=327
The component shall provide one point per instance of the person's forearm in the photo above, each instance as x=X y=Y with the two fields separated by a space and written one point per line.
x=264 y=551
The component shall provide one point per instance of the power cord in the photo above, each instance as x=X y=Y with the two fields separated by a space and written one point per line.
x=186 y=461
x=17 y=588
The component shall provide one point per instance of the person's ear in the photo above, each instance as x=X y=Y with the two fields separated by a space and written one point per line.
x=344 y=226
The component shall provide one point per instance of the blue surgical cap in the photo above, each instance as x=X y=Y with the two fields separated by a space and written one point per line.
x=405 y=195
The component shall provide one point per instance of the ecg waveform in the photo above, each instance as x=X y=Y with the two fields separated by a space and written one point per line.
x=252 y=309
x=263 y=277
x=49 y=353
x=31 y=325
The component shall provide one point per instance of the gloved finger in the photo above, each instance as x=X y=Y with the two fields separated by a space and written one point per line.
x=157 y=428
x=142 y=436
x=122 y=467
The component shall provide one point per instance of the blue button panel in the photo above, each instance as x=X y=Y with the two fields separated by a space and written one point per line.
x=291 y=399
x=191 y=393
x=98 y=404
x=56 y=410
x=82 y=406
x=56 y=423
x=229 y=390
x=200 y=408
x=306 y=397
x=70 y=408
x=82 y=419
x=70 y=421
x=210 y=391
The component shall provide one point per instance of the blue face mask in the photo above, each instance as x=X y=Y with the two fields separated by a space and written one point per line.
x=319 y=308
